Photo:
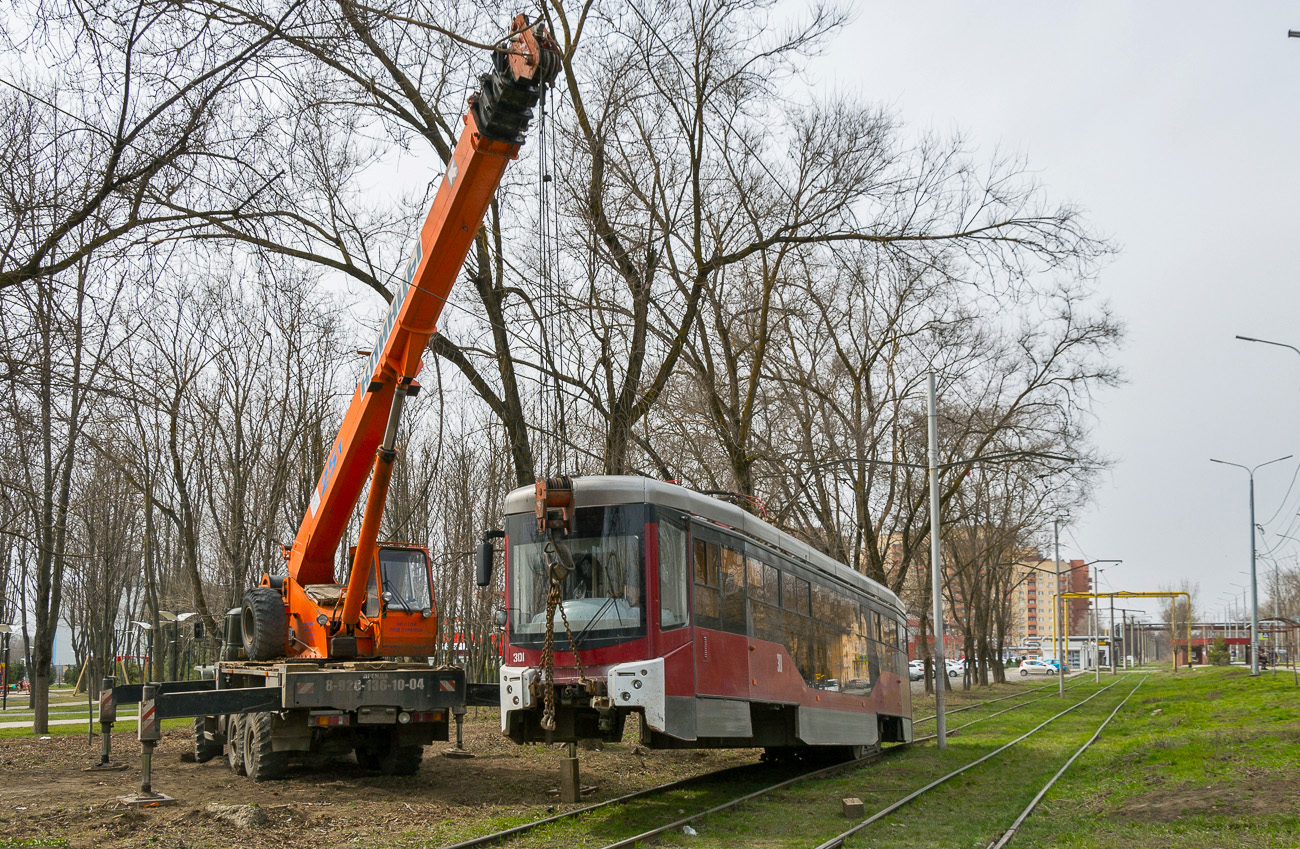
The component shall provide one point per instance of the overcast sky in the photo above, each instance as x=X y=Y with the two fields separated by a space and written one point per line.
x=1176 y=126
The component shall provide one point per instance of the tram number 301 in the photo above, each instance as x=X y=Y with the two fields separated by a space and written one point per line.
x=517 y=657
x=378 y=685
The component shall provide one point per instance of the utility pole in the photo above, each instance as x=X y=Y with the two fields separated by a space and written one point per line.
x=936 y=583
x=1061 y=659
x=1096 y=646
x=1254 y=590
x=1111 y=639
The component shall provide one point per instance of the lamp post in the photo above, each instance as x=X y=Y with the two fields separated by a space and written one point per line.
x=5 y=630
x=1254 y=589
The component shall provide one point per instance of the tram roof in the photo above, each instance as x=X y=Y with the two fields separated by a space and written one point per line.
x=605 y=490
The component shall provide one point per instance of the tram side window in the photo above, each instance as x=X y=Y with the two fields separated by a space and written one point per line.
x=763 y=579
x=706 y=584
x=672 y=575
x=794 y=593
x=732 y=576
x=799 y=642
x=765 y=614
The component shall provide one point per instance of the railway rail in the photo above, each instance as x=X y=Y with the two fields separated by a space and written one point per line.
x=838 y=840
x=724 y=774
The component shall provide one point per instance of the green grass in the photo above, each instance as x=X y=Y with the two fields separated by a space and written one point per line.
x=1217 y=766
x=122 y=725
x=1151 y=780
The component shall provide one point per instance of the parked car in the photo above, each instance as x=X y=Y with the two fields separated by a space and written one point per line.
x=915 y=670
x=1036 y=667
x=955 y=668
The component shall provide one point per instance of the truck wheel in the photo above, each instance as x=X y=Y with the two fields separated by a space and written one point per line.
x=235 y=744
x=264 y=623
x=379 y=751
x=401 y=760
x=261 y=761
x=204 y=749
x=368 y=755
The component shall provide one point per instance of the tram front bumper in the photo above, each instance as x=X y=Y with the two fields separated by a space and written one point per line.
x=640 y=684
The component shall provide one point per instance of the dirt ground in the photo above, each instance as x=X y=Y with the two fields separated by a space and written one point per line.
x=46 y=797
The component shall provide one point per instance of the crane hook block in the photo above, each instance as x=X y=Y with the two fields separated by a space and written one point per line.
x=503 y=106
x=553 y=504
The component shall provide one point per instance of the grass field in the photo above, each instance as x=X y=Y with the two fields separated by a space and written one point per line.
x=1205 y=759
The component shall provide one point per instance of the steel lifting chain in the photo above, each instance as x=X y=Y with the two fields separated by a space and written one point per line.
x=559 y=567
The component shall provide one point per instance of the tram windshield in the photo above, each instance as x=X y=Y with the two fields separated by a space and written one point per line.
x=603 y=598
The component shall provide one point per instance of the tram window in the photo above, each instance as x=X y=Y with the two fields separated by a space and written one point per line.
x=763 y=580
x=794 y=593
x=733 y=591
x=891 y=633
x=754 y=581
x=799 y=643
x=672 y=575
x=706 y=606
x=706 y=563
x=769 y=622
x=823 y=605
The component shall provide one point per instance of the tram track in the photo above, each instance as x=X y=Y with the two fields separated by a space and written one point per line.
x=838 y=840
x=1010 y=833
x=727 y=774
x=981 y=704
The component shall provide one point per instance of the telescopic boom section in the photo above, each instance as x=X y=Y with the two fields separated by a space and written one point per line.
x=495 y=123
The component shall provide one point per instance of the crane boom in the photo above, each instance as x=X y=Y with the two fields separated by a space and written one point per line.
x=494 y=123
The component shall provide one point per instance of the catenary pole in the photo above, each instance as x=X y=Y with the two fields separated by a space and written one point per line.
x=1111 y=639
x=936 y=583
x=1096 y=646
x=1061 y=659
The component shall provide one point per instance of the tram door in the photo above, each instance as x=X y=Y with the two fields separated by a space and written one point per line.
x=721 y=646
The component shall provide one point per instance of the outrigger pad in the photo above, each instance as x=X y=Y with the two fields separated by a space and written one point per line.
x=146 y=800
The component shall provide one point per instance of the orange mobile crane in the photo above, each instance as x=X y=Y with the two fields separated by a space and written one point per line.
x=311 y=665
x=385 y=609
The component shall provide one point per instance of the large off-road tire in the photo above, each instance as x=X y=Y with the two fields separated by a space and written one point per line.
x=261 y=761
x=264 y=624
x=235 y=744
x=204 y=749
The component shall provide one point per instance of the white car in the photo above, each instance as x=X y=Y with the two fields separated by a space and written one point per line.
x=915 y=670
x=955 y=668
x=1036 y=667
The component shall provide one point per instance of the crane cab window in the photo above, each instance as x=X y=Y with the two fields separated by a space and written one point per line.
x=404 y=574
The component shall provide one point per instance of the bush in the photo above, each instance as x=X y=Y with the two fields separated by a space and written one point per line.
x=1219 y=654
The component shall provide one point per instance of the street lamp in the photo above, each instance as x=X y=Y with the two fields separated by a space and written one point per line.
x=1266 y=342
x=1254 y=589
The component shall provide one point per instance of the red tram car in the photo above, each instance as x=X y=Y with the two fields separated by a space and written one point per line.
x=721 y=630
